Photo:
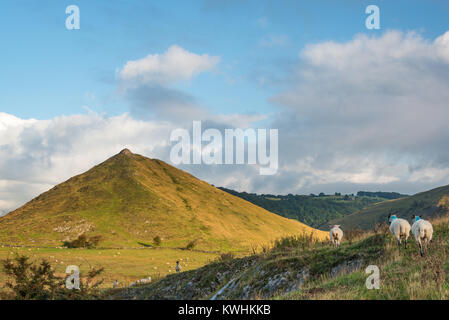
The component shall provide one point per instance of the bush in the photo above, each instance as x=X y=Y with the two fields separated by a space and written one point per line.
x=37 y=281
x=302 y=241
x=83 y=242
x=226 y=256
x=94 y=241
x=191 y=245
x=351 y=235
x=157 y=240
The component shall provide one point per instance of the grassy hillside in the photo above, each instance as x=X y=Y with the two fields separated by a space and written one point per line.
x=130 y=199
x=315 y=211
x=298 y=269
x=428 y=204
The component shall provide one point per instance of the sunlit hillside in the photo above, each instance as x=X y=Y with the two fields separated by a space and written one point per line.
x=129 y=200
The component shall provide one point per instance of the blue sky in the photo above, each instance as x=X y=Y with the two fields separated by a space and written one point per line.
x=356 y=109
x=49 y=71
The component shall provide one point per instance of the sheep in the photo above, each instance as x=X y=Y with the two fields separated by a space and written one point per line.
x=141 y=281
x=115 y=284
x=400 y=228
x=178 y=267
x=423 y=231
x=336 y=235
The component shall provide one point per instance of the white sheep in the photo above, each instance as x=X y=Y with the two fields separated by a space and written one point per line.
x=423 y=232
x=336 y=235
x=140 y=281
x=143 y=281
x=115 y=284
x=400 y=228
x=178 y=267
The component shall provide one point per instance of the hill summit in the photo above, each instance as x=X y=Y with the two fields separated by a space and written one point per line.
x=129 y=200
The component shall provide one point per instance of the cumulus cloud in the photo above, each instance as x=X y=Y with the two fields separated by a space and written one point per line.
x=174 y=65
x=371 y=111
x=149 y=85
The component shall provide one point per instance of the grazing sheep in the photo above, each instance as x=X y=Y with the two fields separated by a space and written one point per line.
x=423 y=232
x=178 y=267
x=336 y=234
x=141 y=281
x=400 y=228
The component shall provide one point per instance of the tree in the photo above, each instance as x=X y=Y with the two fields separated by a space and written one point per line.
x=157 y=240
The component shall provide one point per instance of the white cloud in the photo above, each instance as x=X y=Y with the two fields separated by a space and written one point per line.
x=372 y=110
x=174 y=65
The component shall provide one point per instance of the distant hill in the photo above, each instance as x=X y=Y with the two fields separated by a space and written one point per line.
x=428 y=204
x=129 y=200
x=380 y=194
x=313 y=210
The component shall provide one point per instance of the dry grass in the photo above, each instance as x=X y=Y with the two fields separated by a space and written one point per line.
x=125 y=265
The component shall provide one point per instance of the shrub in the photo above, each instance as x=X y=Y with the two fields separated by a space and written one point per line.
x=94 y=241
x=83 y=242
x=37 y=281
x=157 y=240
x=226 y=256
x=302 y=241
x=191 y=245
x=381 y=228
x=351 y=235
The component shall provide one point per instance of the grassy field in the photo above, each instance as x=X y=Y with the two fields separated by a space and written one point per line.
x=298 y=270
x=126 y=265
x=404 y=274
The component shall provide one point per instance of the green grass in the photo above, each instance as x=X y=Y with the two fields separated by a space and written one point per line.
x=404 y=274
x=337 y=274
x=126 y=265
